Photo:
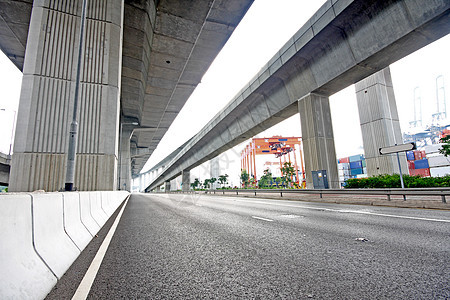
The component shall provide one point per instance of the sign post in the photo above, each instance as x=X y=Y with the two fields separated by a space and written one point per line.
x=396 y=149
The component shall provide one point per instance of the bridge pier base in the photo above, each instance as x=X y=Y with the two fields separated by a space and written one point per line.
x=318 y=138
x=380 y=125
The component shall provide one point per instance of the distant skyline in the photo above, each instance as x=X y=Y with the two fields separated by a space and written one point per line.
x=262 y=32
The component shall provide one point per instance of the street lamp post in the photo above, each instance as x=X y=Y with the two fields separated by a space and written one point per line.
x=73 y=134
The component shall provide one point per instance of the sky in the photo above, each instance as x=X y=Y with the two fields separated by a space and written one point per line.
x=261 y=33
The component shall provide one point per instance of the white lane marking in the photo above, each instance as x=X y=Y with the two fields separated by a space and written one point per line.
x=88 y=279
x=264 y=219
x=347 y=211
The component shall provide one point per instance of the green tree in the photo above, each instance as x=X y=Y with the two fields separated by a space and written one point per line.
x=212 y=180
x=288 y=171
x=446 y=147
x=223 y=179
x=278 y=181
x=245 y=178
x=206 y=183
x=195 y=184
x=265 y=180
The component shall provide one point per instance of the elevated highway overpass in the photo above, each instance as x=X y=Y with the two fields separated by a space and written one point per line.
x=343 y=43
x=141 y=62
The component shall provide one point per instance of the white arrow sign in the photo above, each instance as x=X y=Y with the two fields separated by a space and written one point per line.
x=398 y=148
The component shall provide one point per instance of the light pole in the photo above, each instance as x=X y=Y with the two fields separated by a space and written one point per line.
x=12 y=131
x=73 y=134
x=121 y=149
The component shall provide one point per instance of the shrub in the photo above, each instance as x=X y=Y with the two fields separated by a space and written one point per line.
x=393 y=181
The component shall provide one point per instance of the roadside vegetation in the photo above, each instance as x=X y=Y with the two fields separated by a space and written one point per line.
x=393 y=181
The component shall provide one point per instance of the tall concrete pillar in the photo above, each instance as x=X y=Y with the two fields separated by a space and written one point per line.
x=214 y=169
x=380 y=124
x=167 y=186
x=47 y=95
x=186 y=180
x=318 y=139
x=124 y=182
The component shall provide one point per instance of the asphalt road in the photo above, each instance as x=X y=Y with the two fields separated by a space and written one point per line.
x=212 y=247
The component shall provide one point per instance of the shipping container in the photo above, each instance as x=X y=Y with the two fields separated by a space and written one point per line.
x=417 y=155
x=432 y=148
x=354 y=158
x=355 y=172
x=410 y=155
x=356 y=165
x=421 y=164
x=411 y=165
x=345 y=173
x=420 y=172
x=344 y=166
x=343 y=160
x=438 y=161
x=440 y=171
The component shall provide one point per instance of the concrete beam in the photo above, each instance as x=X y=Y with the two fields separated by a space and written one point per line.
x=343 y=43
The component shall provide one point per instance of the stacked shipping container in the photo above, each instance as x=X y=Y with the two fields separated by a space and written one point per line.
x=418 y=163
x=352 y=167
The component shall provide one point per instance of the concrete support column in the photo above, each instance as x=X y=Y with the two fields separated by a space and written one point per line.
x=214 y=168
x=124 y=182
x=167 y=186
x=318 y=139
x=380 y=124
x=186 y=180
x=46 y=100
x=141 y=182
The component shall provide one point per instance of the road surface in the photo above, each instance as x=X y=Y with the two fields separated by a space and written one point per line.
x=214 y=247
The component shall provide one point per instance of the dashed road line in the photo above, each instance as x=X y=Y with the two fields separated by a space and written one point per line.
x=347 y=211
x=263 y=219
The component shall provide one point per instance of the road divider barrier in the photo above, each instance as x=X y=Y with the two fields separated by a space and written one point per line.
x=43 y=233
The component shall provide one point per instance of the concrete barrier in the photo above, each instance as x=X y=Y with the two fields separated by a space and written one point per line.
x=97 y=212
x=50 y=240
x=23 y=274
x=73 y=226
x=86 y=217
x=42 y=234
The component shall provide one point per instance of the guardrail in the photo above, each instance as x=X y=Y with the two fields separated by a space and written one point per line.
x=442 y=192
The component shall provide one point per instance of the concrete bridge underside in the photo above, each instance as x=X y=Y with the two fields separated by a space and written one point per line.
x=343 y=43
x=141 y=62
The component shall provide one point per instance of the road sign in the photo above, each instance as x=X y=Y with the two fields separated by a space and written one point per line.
x=397 y=148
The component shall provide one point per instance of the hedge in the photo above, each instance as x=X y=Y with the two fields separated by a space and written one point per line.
x=393 y=181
